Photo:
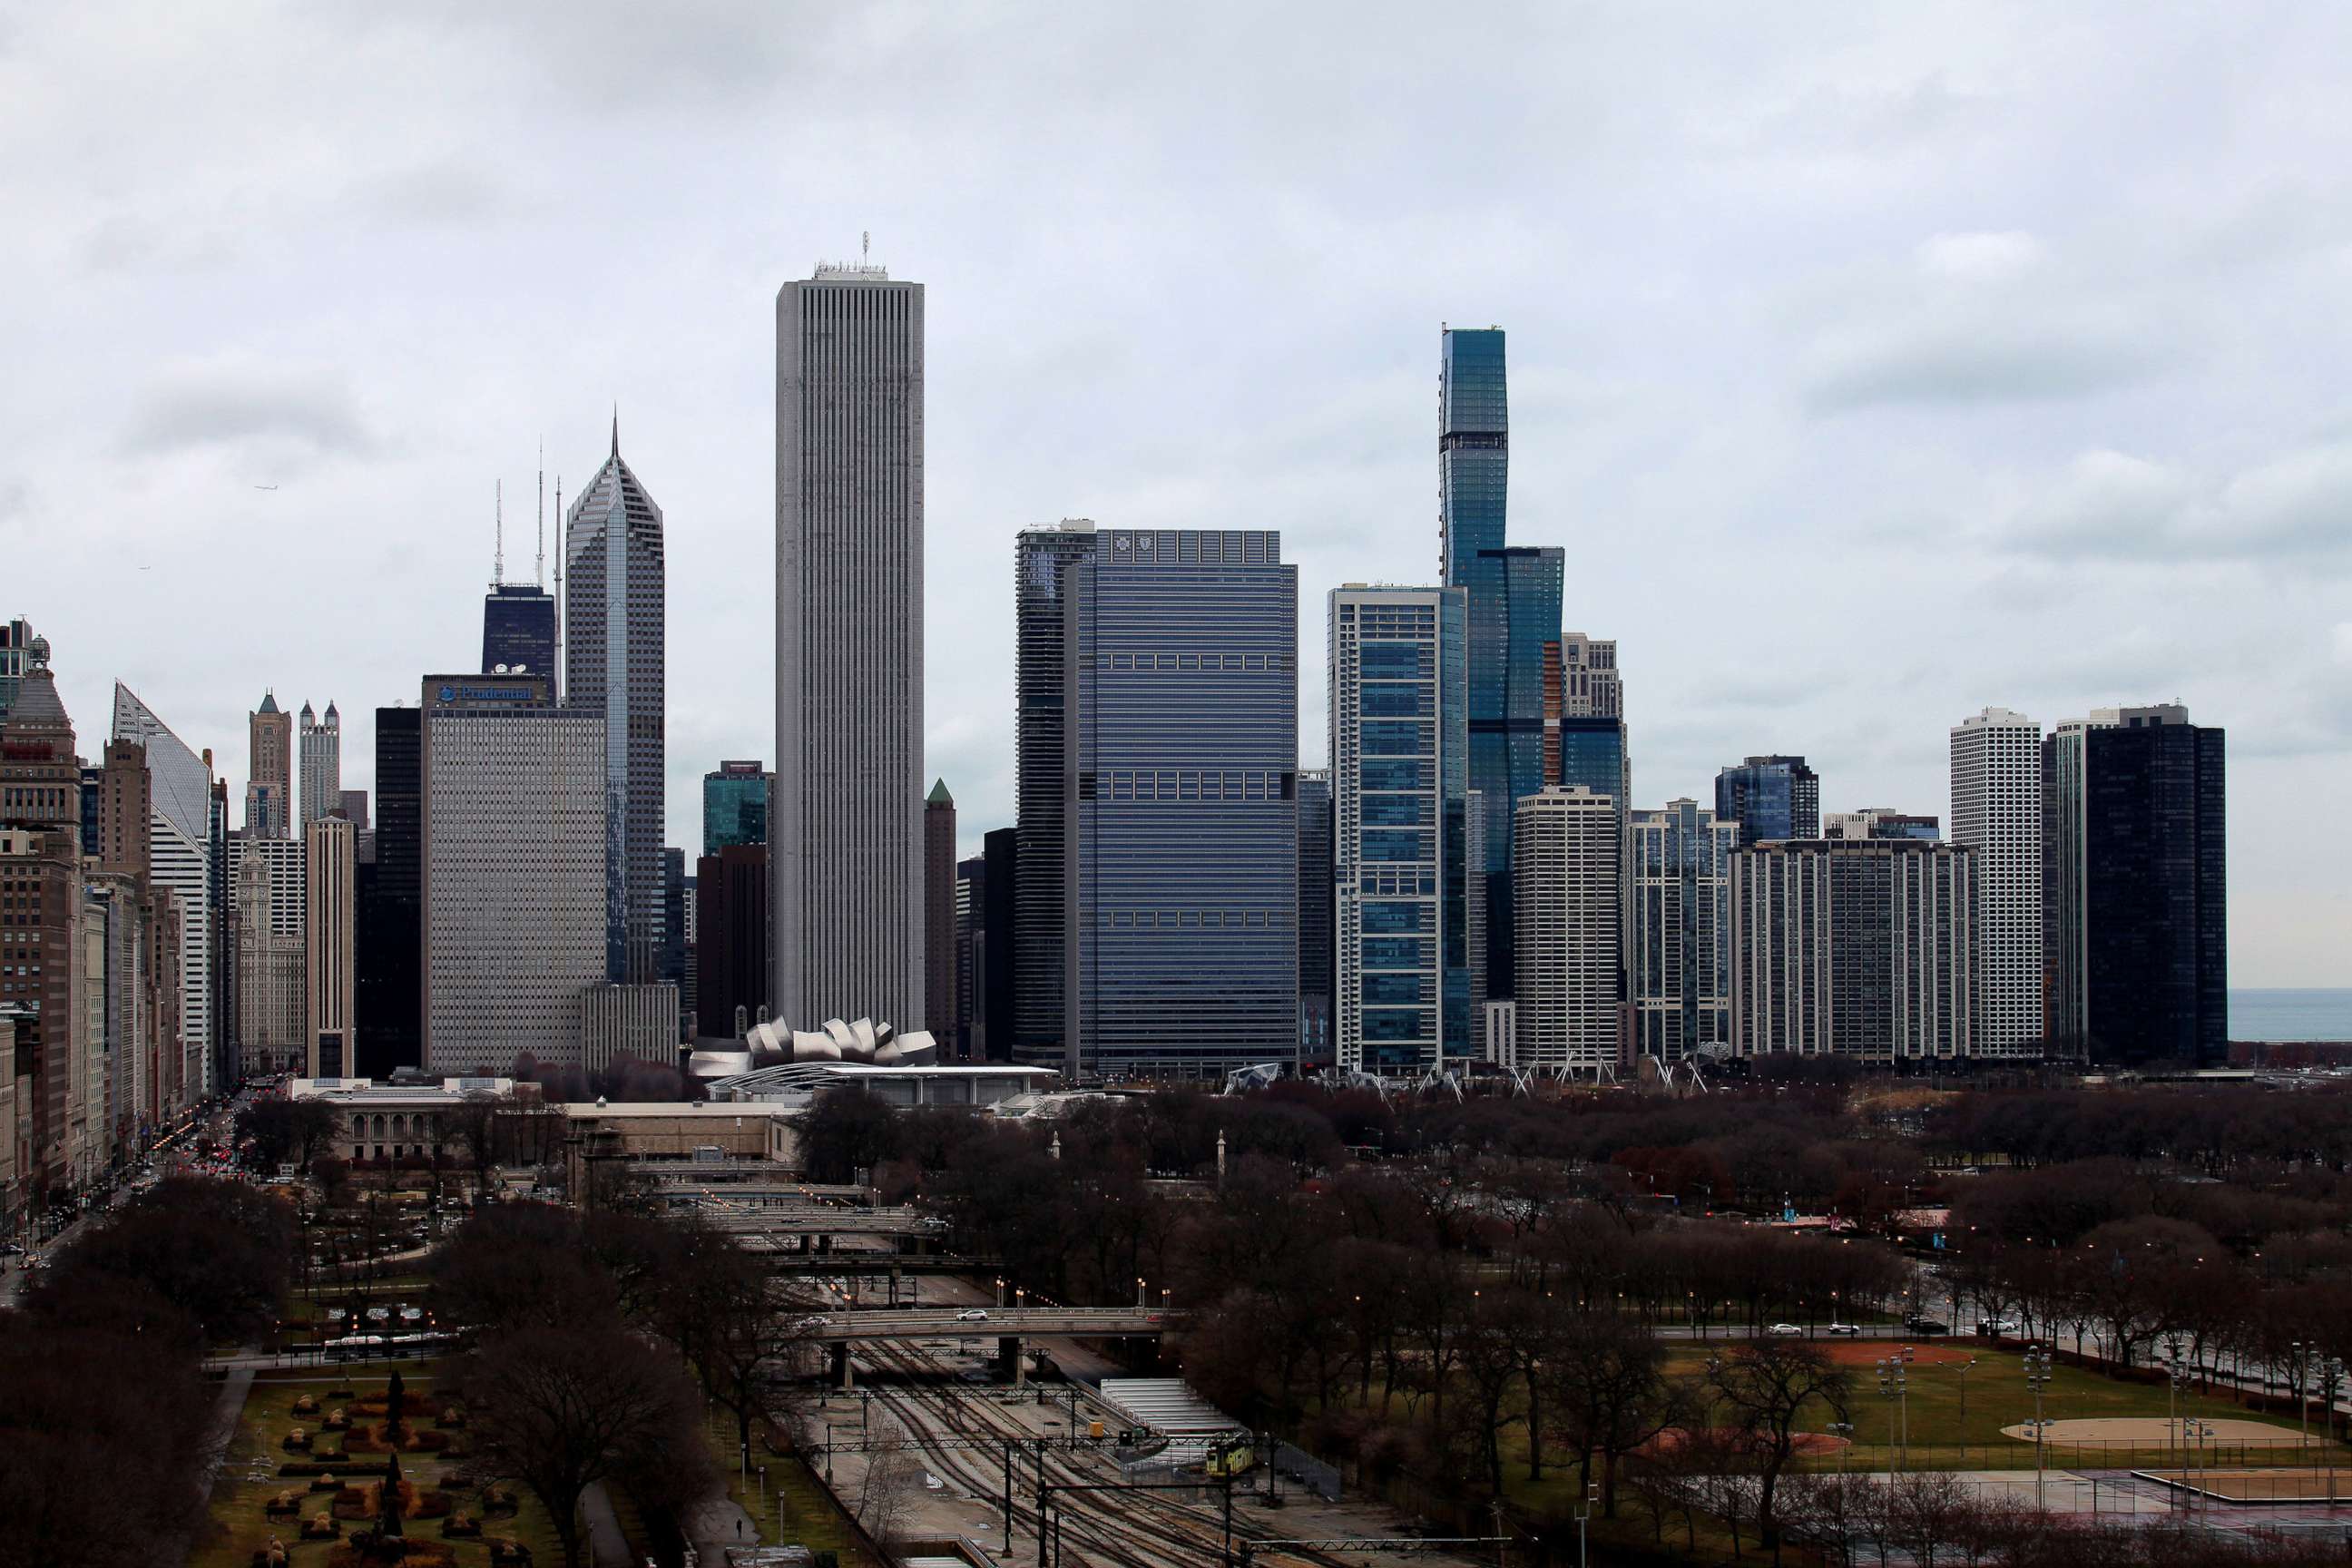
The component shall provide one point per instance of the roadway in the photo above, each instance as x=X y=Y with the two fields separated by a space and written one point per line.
x=1005 y=1323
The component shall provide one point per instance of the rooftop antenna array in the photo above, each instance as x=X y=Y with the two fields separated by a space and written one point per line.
x=498 y=561
x=539 y=577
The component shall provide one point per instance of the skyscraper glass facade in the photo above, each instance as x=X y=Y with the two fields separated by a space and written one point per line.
x=1770 y=798
x=734 y=805
x=1680 y=863
x=1176 y=830
x=614 y=664
x=1315 y=915
x=1400 y=855
x=519 y=629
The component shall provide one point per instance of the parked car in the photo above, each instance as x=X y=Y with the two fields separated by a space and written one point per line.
x=973 y=1315
x=1785 y=1332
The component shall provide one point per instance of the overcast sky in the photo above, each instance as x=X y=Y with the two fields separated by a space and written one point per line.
x=1873 y=365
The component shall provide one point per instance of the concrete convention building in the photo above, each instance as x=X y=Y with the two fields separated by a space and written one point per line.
x=845 y=820
x=513 y=871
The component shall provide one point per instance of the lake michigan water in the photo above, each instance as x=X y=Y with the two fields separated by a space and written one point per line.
x=2290 y=1014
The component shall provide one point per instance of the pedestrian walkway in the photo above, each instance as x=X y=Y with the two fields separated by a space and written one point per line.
x=717 y=1523
x=607 y=1547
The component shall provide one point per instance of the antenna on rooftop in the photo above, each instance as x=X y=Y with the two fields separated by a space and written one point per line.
x=866 y=247
x=539 y=577
x=498 y=562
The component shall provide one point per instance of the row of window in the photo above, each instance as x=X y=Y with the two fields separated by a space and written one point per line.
x=1246 y=662
x=1195 y=919
x=1185 y=783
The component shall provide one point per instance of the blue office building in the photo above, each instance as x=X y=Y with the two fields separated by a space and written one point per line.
x=1514 y=609
x=1166 y=850
x=1770 y=798
x=1411 y=992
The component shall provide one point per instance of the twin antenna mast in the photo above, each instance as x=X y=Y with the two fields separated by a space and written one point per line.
x=498 y=561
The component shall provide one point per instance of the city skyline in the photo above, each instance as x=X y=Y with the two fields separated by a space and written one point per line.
x=1945 y=358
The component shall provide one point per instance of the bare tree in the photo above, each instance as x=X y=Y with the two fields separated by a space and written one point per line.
x=563 y=1407
x=893 y=1473
x=1769 y=1384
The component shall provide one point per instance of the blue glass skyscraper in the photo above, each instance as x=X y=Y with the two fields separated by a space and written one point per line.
x=734 y=805
x=1409 y=992
x=1514 y=609
x=1770 y=798
x=1158 y=759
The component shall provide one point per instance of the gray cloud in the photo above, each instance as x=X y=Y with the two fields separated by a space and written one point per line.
x=2293 y=509
x=278 y=409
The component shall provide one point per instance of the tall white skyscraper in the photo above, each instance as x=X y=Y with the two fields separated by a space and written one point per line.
x=322 y=767
x=846 y=832
x=1566 y=858
x=1997 y=812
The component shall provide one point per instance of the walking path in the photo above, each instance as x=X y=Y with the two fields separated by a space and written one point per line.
x=717 y=1523
x=607 y=1547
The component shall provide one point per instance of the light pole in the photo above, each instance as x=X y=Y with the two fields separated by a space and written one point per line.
x=2331 y=1376
x=2174 y=1373
x=2301 y=1393
x=1964 y=1399
x=2037 y=1378
x=1843 y=1432
x=1591 y=1497
x=1895 y=1386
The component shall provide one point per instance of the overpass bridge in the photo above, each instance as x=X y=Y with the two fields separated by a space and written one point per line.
x=842 y=1328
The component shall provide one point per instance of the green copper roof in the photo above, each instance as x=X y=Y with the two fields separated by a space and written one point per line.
x=938 y=795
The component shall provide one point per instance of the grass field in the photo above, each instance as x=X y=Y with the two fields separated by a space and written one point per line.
x=248 y=1478
x=792 y=1508
x=1957 y=1412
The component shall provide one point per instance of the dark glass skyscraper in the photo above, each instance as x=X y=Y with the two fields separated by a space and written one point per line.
x=390 y=936
x=734 y=805
x=614 y=664
x=1770 y=798
x=1177 y=728
x=519 y=629
x=2135 y=908
x=1315 y=916
x=1514 y=606
x=1043 y=773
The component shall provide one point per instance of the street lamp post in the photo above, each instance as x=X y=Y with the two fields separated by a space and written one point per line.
x=1591 y=1497
x=2302 y=1393
x=1895 y=1386
x=1843 y=1432
x=2037 y=1378
x=1964 y=1399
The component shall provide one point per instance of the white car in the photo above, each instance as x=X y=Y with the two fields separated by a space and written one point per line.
x=1846 y=1331
x=1786 y=1331
x=975 y=1315
x=816 y=1322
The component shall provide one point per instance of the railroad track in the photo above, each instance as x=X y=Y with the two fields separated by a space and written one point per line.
x=1100 y=1528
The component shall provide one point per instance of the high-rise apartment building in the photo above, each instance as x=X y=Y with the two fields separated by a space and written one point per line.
x=322 y=743
x=1570 y=906
x=614 y=618
x=1514 y=605
x=330 y=968
x=939 y=915
x=732 y=949
x=267 y=939
x=2135 y=899
x=1316 y=915
x=846 y=827
x=735 y=805
x=1403 y=869
x=390 y=939
x=514 y=859
x=355 y=808
x=1997 y=812
x=1173 y=822
x=180 y=850
x=1770 y=798
x=269 y=770
x=1679 y=861
x=676 y=922
x=1862 y=948
x=40 y=917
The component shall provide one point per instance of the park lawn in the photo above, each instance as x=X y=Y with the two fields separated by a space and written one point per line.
x=1996 y=1396
x=248 y=1477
